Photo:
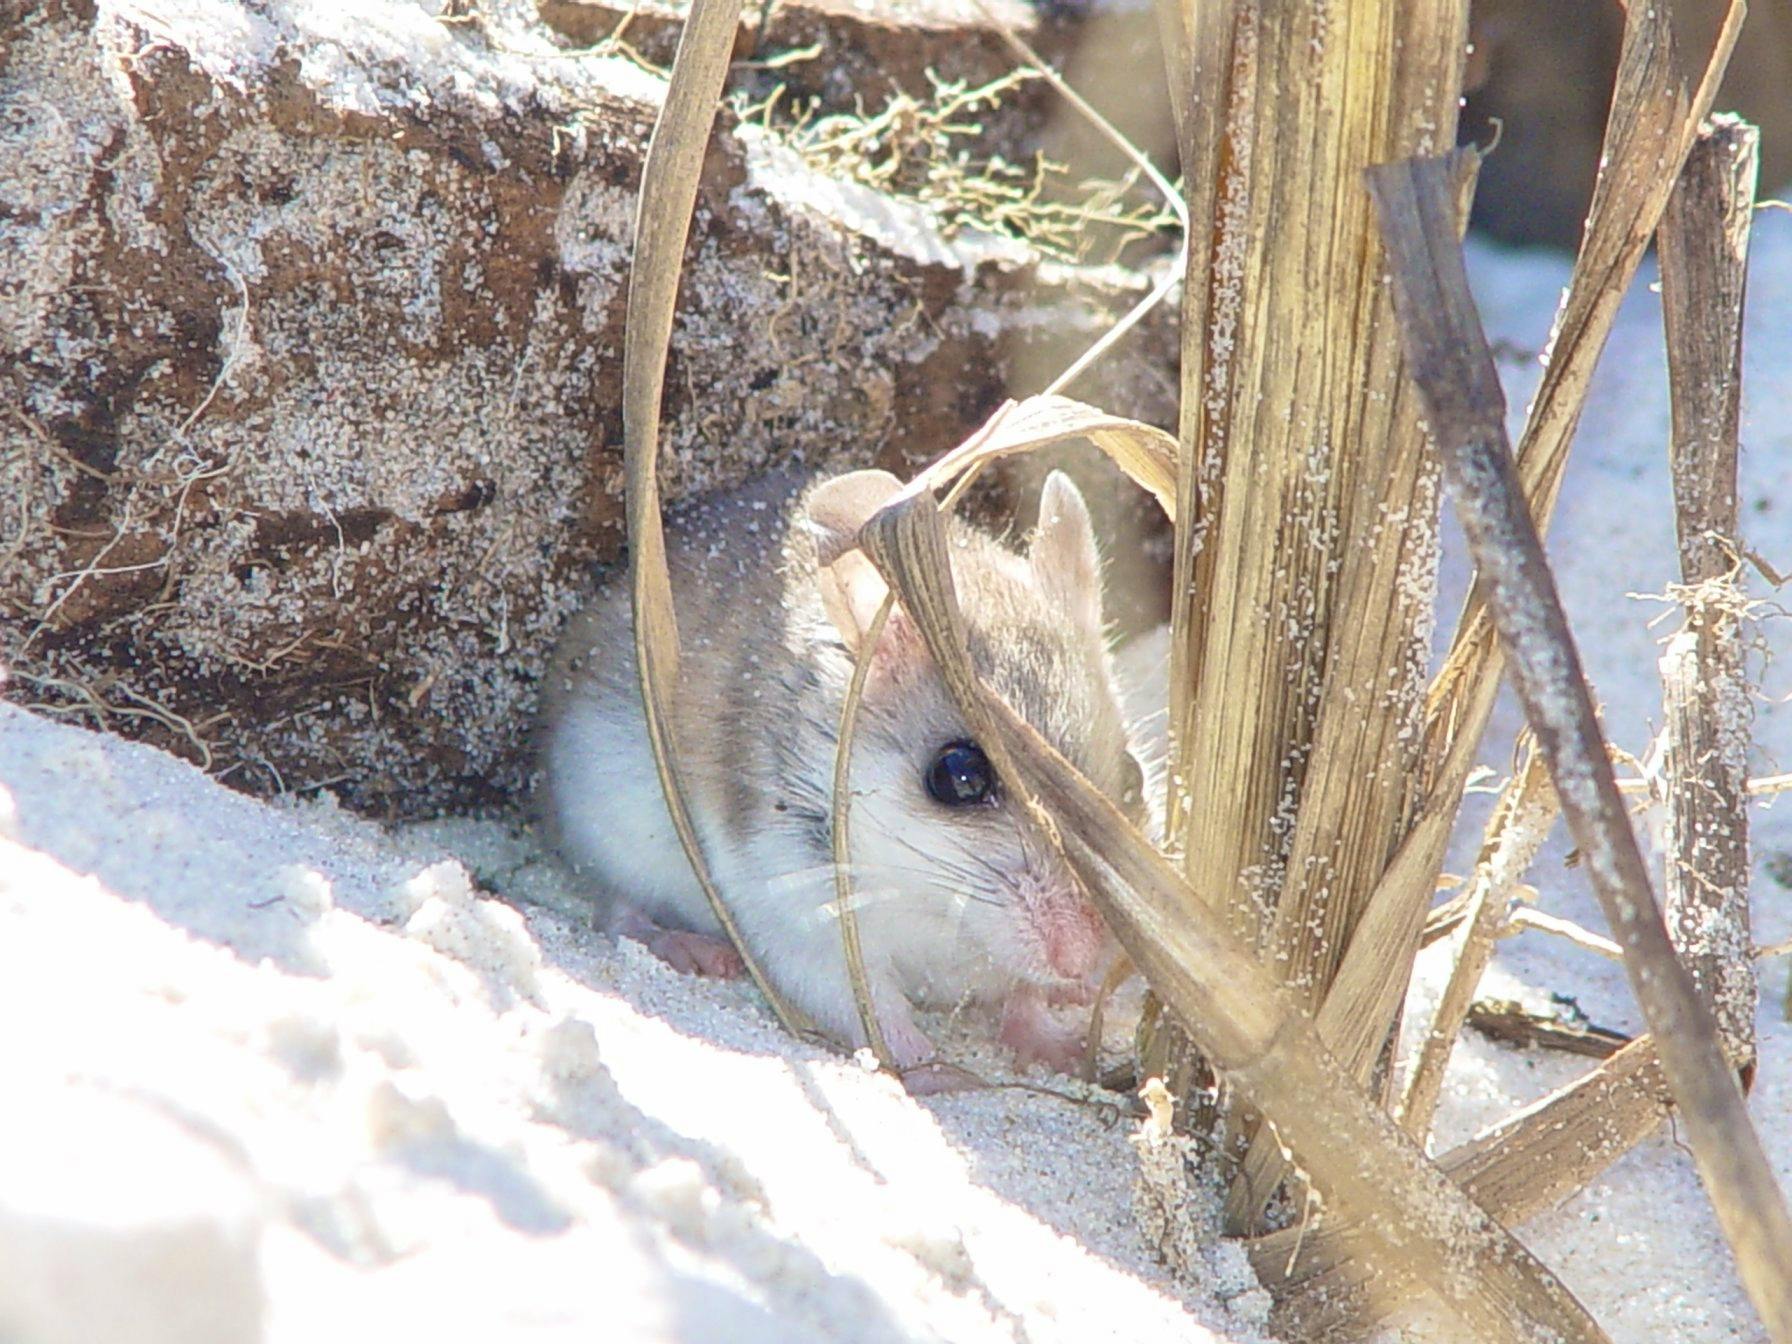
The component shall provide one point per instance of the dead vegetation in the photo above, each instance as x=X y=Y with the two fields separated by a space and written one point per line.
x=1318 y=509
x=921 y=149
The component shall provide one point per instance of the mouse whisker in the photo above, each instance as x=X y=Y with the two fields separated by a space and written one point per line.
x=875 y=883
x=970 y=877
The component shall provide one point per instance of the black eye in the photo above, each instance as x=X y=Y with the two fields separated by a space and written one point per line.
x=960 y=774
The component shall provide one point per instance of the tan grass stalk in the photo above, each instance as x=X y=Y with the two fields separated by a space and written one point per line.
x=1354 y=1018
x=1145 y=453
x=1301 y=591
x=1329 y=1283
x=1704 y=264
x=1526 y=918
x=1762 y=786
x=1300 y=442
x=1251 y=1025
x=668 y=192
x=840 y=835
x=1520 y=824
x=1198 y=60
x=1466 y=413
x=1655 y=113
x=1510 y=1021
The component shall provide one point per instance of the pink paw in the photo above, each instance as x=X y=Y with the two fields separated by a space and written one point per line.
x=1036 y=1037
x=916 y=1061
x=695 y=953
x=908 y=1044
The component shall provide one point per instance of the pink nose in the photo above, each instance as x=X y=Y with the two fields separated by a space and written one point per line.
x=1074 y=942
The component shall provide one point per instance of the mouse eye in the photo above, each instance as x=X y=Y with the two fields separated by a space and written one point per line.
x=1132 y=780
x=961 y=774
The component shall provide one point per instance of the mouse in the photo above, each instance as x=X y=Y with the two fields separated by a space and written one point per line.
x=959 y=902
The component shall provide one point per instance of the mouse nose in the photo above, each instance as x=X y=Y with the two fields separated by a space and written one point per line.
x=1075 y=940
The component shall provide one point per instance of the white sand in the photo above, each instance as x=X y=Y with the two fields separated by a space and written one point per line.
x=260 y=1026
x=271 y=1072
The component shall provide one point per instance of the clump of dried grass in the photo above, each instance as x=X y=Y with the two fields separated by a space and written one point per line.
x=1279 y=940
x=922 y=149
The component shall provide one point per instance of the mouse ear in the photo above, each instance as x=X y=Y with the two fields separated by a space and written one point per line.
x=851 y=588
x=1065 y=560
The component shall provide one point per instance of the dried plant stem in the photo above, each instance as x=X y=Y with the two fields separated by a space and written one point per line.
x=1300 y=594
x=1466 y=412
x=1654 y=117
x=1526 y=918
x=1706 y=713
x=1371 y=982
x=1520 y=824
x=1704 y=263
x=1300 y=440
x=1328 y=1284
x=1510 y=1021
x=1146 y=454
x=668 y=192
x=1247 y=1021
x=970 y=450
x=840 y=833
x=1704 y=268
x=1762 y=786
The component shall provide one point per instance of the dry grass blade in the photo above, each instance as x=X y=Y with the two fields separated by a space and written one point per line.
x=668 y=192
x=1524 y=917
x=1145 y=453
x=1301 y=593
x=1762 y=786
x=1142 y=451
x=1520 y=824
x=1341 y=857
x=1300 y=440
x=840 y=835
x=1510 y=1021
x=1654 y=117
x=1200 y=41
x=1250 y=1024
x=1704 y=264
x=1328 y=1283
x=1705 y=894
x=1466 y=412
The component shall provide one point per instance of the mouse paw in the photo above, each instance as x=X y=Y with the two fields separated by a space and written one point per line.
x=1037 y=1037
x=908 y=1044
x=923 y=1072
x=695 y=953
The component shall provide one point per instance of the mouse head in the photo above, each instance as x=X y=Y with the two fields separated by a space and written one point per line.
x=928 y=804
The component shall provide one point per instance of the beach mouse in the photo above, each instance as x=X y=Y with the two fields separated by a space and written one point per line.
x=958 y=901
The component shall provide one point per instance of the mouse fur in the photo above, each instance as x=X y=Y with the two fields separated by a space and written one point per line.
x=956 y=903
